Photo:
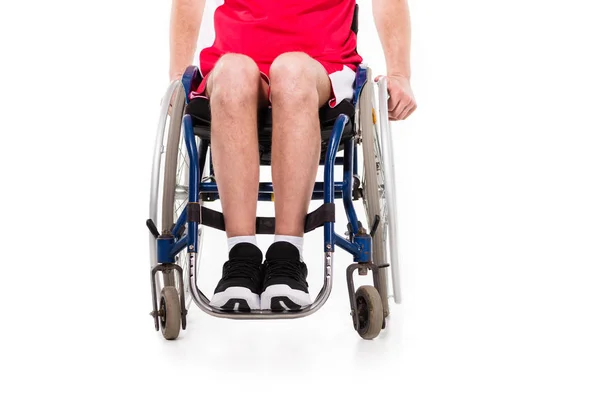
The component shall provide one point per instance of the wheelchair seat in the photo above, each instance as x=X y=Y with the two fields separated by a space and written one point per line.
x=199 y=110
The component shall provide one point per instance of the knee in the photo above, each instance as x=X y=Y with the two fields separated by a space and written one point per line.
x=232 y=79
x=293 y=79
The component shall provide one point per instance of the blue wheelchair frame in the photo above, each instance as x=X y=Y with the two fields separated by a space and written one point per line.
x=359 y=243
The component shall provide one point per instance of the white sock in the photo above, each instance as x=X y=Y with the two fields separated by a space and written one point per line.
x=232 y=241
x=297 y=241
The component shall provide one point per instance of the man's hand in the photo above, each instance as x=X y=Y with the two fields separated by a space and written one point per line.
x=392 y=19
x=401 y=102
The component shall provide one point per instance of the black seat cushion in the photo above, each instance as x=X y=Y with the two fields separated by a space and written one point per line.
x=199 y=110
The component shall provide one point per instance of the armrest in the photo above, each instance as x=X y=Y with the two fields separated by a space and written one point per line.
x=191 y=79
x=359 y=82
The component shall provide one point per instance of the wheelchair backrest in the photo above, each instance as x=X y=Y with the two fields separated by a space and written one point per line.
x=354 y=26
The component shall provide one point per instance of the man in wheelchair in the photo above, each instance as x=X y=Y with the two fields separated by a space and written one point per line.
x=294 y=56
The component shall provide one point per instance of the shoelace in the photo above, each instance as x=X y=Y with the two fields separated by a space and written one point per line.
x=241 y=268
x=284 y=268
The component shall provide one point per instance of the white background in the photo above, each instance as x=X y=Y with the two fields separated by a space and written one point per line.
x=498 y=177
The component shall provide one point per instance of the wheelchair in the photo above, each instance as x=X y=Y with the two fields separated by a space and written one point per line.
x=183 y=183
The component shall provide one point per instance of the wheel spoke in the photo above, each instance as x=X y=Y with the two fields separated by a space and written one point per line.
x=176 y=211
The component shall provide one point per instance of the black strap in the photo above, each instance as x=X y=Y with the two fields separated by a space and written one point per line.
x=213 y=219
x=317 y=218
x=193 y=212
x=266 y=225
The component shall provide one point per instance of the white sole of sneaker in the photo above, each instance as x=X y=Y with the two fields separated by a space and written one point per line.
x=236 y=298
x=282 y=298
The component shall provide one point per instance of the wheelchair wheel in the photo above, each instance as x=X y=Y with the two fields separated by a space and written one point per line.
x=170 y=182
x=374 y=195
x=175 y=189
x=169 y=313
x=370 y=312
x=383 y=131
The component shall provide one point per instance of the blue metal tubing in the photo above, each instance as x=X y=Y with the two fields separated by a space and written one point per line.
x=179 y=245
x=329 y=189
x=187 y=79
x=267 y=187
x=354 y=247
x=348 y=183
x=364 y=242
x=350 y=247
x=338 y=161
x=320 y=187
x=355 y=167
x=164 y=247
x=321 y=196
x=180 y=221
x=190 y=144
x=269 y=197
x=182 y=242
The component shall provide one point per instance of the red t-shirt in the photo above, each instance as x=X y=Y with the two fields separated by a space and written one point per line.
x=264 y=29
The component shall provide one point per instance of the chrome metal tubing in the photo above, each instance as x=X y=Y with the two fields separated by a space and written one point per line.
x=390 y=185
x=203 y=303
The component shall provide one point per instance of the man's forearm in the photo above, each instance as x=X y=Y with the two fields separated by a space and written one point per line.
x=186 y=16
x=392 y=19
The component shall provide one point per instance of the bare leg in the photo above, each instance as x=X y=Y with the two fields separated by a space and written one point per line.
x=299 y=86
x=236 y=89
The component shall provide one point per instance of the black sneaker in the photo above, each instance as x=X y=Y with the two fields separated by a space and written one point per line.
x=285 y=286
x=241 y=284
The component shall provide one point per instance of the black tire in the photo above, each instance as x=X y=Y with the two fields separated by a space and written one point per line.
x=369 y=312
x=170 y=313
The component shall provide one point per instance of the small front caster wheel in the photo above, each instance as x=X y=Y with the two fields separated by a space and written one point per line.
x=369 y=311
x=170 y=312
